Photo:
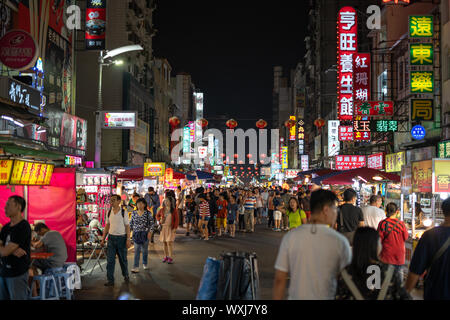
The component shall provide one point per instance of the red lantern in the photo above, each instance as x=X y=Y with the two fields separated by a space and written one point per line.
x=319 y=123
x=204 y=123
x=261 y=124
x=231 y=123
x=174 y=122
x=289 y=123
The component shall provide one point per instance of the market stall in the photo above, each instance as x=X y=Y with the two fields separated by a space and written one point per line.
x=49 y=193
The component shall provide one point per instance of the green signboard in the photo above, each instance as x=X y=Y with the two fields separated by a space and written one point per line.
x=444 y=149
x=422 y=81
x=421 y=26
x=422 y=54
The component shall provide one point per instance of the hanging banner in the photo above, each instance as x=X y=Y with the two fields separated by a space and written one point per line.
x=95 y=24
x=406 y=180
x=395 y=161
x=292 y=130
x=305 y=162
x=361 y=76
x=284 y=158
x=422 y=176
x=334 y=145
x=347 y=48
x=376 y=161
x=31 y=173
x=441 y=176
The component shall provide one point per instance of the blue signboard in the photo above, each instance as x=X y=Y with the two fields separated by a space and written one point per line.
x=418 y=132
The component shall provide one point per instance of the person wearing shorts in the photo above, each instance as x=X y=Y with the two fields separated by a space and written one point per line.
x=203 y=209
x=277 y=218
x=278 y=204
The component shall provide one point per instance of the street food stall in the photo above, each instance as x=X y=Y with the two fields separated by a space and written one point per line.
x=49 y=193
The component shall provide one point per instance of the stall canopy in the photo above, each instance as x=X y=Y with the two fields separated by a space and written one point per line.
x=191 y=177
x=204 y=175
x=314 y=173
x=135 y=174
x=318 y=180
x=365 y=174
x=178 y=175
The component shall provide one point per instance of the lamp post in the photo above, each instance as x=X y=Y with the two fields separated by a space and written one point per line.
x=98 y=119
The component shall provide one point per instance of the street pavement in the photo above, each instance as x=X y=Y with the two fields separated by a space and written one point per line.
x=180 y=281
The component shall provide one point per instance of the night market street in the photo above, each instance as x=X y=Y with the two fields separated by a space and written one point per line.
x=180 y=281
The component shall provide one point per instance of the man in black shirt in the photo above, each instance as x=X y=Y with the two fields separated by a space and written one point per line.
x=15 y=245
x=349 y=217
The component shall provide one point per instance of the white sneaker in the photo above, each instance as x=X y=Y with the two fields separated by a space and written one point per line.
x=135 y=270
x=145 y=267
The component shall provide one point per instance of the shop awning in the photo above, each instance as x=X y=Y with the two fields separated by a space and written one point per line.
x=191 y=177
x=364 y=174
x=204 y=175
x=135 y=174
x=314 y=173
x=178 y=175
x=11 y=145
x=318 y=180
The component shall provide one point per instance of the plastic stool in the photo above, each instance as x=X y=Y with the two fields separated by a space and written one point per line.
x=48 y=288
x=54 y=270
x=63 y=281
x=75 y=280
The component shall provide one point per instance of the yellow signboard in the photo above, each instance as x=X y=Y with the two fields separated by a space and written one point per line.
x=422 y=176
x=422 y=82
x=31 y=173
x=5 y=171
x=395 y=161
x=441 y=176
x=154 y=169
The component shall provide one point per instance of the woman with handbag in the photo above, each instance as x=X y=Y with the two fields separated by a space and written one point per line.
x=367 y=278
x=141 y=224
x=168 y=217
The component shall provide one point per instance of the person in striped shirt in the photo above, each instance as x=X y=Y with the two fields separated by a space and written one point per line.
x=203 y=209
x=249 y=207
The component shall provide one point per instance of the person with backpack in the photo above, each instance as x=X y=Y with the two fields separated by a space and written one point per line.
x=354 y=282
x=393 y=235
x=141 y=224
x=432 y=255
x=118 y=231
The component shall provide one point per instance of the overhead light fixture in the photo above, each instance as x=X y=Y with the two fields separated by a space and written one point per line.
x=377 y=178
x=118 y=62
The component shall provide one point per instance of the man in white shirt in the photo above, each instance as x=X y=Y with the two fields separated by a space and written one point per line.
x=372 y=213
x=312 y=255
x=118 y=228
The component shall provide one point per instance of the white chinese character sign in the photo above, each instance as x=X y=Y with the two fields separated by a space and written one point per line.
x=361 y=75
x=347 y=49
x=376 y=161
x=345 y=133
x=333 y=138
x=350 y=162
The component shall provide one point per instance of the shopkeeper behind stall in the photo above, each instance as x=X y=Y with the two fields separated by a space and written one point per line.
x=419 y=216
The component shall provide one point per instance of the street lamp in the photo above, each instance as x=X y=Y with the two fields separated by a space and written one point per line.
x=102 y=60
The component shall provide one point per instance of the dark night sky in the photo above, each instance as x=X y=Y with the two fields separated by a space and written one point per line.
x=230 y=49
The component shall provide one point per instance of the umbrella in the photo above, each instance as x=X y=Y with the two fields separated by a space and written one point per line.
x=366 y=174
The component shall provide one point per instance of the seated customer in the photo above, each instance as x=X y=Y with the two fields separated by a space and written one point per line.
x=52 y=242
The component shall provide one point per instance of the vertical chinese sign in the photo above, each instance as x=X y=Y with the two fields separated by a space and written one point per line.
x=95 y=24
x=362 y=77
x=347 y=48
x=333 y=138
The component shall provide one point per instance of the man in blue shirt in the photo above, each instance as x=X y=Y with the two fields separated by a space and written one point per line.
x=426 y=258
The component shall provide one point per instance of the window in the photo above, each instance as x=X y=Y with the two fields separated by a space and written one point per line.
x=382 y=85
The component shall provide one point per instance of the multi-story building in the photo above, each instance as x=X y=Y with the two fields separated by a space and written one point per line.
x=445 y=56
x=127 y=87
x=184 y=95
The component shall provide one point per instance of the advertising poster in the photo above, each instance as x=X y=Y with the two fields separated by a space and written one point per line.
x=395 y=161
x=95 y=24
x=441 y=176
x=422 y=173
x=138 y=137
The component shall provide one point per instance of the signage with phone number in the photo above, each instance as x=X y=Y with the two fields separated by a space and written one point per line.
x=31 y=173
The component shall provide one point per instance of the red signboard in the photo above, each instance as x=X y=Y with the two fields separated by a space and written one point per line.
x=374 y=108
x=376 y=161
x=18 y=50
x=361 y=74
x=345 y=133
x=347 y=48
x=361 y=129
x=95 y=24
x=350 y=162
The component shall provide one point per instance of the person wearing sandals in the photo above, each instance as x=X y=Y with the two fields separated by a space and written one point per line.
x=357 y=281
x=168 y=217
x=141 y=224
